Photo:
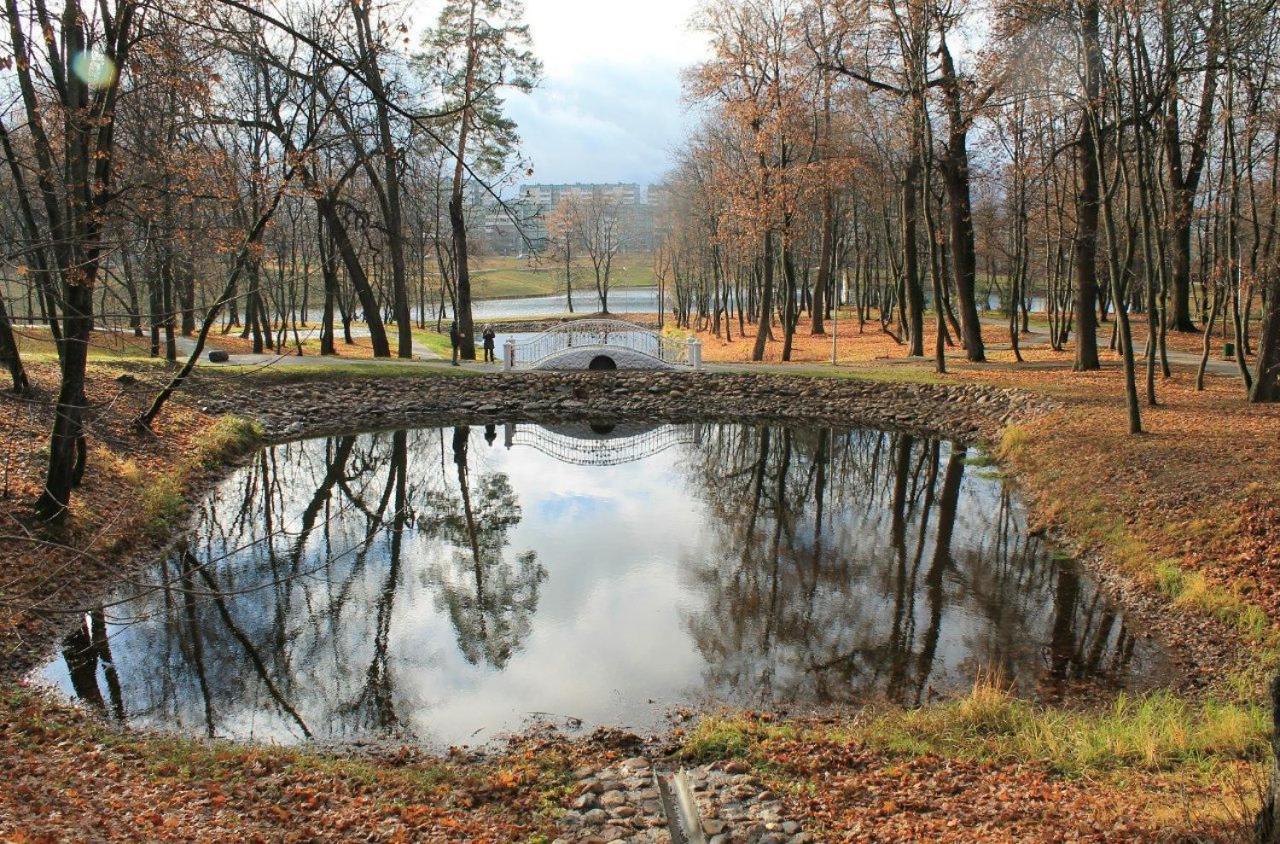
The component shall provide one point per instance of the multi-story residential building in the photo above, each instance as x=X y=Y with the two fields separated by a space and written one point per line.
x=631 y=200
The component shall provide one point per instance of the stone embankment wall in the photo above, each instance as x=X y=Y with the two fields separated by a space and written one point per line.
x=965 y=412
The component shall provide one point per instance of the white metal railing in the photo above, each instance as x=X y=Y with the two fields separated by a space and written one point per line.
x=603 y=334
x=601 y=451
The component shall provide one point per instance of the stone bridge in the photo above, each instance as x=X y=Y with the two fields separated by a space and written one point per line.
x=601 y=344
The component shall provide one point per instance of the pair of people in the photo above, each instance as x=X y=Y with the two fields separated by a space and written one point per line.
x=489 y=336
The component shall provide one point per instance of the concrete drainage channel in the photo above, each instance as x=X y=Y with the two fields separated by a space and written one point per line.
x=721 y=803
x=680 y=807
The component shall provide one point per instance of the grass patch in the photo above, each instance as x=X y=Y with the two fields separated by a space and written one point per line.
x=434 y=341
x=504 y=277
x=1155 y=732
x=36 y=344
x=164 y=497
x=1013 y=441
x=228 y=438
x=163 y=503
x=327 y=370
x=715 y=738
x=1158 y=732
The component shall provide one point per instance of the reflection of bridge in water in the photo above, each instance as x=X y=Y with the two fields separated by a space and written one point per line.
x=601 y=444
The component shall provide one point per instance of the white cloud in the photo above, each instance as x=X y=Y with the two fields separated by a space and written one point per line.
x=609 y=108
x=571 y=33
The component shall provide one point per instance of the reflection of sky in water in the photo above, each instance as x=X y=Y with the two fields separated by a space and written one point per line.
x=648 y=587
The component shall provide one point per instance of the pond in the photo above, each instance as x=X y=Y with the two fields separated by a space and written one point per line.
x=450 y=585
x=622 y=300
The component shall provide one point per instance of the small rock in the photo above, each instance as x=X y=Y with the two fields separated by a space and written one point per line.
x=612 y=798
x=595 y=817
x=713 y=826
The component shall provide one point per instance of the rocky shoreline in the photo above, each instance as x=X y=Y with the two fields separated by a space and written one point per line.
x=969 y=413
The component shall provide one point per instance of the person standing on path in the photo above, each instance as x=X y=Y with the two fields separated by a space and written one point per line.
x=490 y=337
x=455 y=340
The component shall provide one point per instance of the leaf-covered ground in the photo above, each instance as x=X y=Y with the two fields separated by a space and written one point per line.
x=1186 y=516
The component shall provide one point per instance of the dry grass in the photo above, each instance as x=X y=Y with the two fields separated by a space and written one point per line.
x=991 y=767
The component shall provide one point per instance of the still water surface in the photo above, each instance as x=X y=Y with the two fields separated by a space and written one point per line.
x=448 y=585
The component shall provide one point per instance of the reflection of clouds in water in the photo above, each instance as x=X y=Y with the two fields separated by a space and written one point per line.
x=589 y=591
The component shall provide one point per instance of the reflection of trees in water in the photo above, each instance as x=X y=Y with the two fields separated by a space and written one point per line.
x=86 y=648
x=861 y=564
x=841 y=566
x=276 y=582
x=490 y=601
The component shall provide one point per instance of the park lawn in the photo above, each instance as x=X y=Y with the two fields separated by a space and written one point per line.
x=502 y=278
x=36 y=344
x=435 y=341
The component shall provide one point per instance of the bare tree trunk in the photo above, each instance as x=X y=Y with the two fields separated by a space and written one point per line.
x=824 y=263
x=1087 y=198
x=9 y=355
x=1266 y=380
x=766 y=297
x=911 y=258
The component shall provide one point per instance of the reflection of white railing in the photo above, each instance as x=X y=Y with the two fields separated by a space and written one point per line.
x=598 y=333
x=601 y=449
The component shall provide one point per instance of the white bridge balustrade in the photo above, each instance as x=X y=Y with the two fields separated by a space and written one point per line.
x=601 y=344
x=600 y=444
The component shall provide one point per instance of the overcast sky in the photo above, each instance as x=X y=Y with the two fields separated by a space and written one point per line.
x=609 y=108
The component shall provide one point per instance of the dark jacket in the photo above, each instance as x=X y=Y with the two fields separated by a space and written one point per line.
x=455 y=336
